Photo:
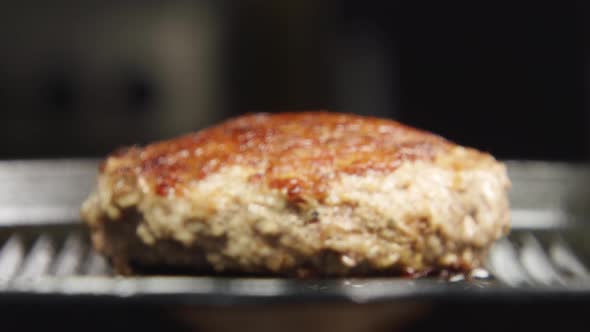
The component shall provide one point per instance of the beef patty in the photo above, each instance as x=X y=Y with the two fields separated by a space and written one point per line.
x=308 y=193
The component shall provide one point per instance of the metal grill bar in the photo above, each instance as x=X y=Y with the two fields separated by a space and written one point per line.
x=70 y=257
x=519 y=261
x=537 y=263
x=47 y=256
x=524 y=261
x=504 y=264
x=95 y=265
x=565 y=260
x=11 y=257
x=38 y=261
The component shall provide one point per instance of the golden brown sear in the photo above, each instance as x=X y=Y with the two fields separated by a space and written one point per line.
x=296 y=152
x=298 y=193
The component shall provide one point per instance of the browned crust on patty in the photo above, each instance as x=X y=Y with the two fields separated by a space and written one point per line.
x=298 y=152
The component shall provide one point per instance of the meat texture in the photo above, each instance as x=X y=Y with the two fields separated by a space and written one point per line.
x=304 y=194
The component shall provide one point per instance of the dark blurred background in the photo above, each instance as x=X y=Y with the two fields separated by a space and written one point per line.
x=81 y=78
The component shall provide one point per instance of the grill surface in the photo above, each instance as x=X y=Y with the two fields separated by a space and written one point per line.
x=47 y=254
x=50 y=254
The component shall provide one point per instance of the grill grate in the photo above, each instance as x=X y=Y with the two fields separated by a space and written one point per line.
x=32 y=256
x=524 y=259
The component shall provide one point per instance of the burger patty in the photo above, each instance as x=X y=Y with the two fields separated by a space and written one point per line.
x=308 y=193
